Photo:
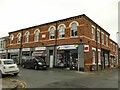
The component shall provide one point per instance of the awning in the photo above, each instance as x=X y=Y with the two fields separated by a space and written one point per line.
x=39 y=53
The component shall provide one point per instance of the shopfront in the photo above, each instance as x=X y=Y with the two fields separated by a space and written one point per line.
x=14 y=54
x=26 y=52
x=67 y=55
x=3 y=54
x=40 y=52
x=105 y=59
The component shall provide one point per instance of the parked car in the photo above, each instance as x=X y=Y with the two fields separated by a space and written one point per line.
x=33 y=62
x=8 y=66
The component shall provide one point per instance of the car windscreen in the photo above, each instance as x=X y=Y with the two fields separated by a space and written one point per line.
x=9 y=62
x=40 y=59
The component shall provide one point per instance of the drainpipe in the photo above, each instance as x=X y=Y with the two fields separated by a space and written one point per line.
x=55 y=50
x=96 y=49
x=20 y=52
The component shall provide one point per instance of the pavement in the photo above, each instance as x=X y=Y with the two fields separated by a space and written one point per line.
x=7 y=84
x=11 y=84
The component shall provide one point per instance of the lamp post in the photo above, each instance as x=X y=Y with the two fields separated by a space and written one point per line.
x=118 y=50
x=117 y=38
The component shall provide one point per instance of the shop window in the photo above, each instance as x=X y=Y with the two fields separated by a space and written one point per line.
x=60 y=61
x=67 y=58
x=106 y=59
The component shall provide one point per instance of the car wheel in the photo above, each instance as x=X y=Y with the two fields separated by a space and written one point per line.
x=1 y=75
x=15 y=74
x=35 y=67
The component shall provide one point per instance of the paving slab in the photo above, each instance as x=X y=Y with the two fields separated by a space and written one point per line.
x=7 y=84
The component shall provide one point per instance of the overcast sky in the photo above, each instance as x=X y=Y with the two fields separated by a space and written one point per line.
x=19 y=14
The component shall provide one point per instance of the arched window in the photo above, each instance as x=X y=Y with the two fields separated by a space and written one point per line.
x=19 y=38
x=73 y=27
x=52 y=32
x=27 y=36
x=36 y=35
x=61 y=31
x=11 y=39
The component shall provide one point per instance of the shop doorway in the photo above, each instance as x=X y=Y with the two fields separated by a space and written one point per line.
x=51 y=58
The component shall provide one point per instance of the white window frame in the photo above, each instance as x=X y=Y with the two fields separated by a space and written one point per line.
x=102 y=37
x=98 y=36
x=61 y=32
x=36 y=35
x=73 y=31
x=93 y=32
x=27 y=33
x=93 y=57
x=11 y=39
x=52 y=30
x=18 y=38
x=106 y=40
x=113 y=47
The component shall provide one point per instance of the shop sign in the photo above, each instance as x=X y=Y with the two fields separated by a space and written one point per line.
x=40 y=48
x=26 y=49
x=64 y=47
x=13 y=50
x=86 y=48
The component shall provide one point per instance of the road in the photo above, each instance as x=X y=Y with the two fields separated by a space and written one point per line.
x=59 y=78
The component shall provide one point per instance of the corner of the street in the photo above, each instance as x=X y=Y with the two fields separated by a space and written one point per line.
x=9 y=84
x=12 y=84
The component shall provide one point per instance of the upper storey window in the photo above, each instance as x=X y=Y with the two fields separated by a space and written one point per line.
x=106 y=40
x=11 y=39
x=52 y=32
x=61 y=31
x=36 y=35
x=98 y=36
x=93 y=33
x=19 y=38
x=73 y=27
x=102 y=37
x=27 y=36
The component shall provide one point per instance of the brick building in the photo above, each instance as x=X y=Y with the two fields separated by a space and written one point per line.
x=78 y=37
x=113 y=54
x=3 y=47
x=119 y=57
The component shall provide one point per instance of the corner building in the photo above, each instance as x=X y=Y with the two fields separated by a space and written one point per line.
x=75 y=39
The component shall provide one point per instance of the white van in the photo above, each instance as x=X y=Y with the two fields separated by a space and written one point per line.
x=8 y=66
